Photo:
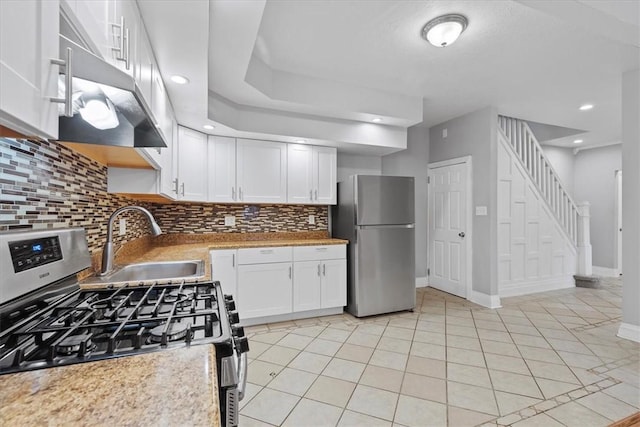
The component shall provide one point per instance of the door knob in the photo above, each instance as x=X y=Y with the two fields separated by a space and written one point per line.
x=461 y=234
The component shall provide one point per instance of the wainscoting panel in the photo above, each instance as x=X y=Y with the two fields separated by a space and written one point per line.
x=534 y=255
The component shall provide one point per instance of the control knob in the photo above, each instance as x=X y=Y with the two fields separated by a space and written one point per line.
x=231 y=305
x=234 y=317
x=237 y=331
x=242 y=345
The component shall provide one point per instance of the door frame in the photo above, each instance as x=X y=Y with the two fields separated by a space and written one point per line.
x=467 y=161
x=618 y=222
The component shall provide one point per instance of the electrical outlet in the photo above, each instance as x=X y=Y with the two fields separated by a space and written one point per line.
x=312 y=219
x=229 y=220
x=444 y=133
x=122 y=229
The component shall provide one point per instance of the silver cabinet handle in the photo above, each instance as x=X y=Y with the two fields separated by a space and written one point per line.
x=266 y=251
x=324 y=269
x=240 y=192
x=233 y=193
x=311 y=195
x=233 y=260
x=175 y=185
x=316 y=191
x=127 y=63
x=182 y=187
x=68 y=81
x=289 y=272
x=318 y=269
x=321 y=249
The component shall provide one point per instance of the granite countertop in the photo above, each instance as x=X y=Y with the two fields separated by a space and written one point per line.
x=185 y=247
x=169 y=387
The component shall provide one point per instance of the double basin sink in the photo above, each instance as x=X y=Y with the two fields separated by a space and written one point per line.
x=165 y=270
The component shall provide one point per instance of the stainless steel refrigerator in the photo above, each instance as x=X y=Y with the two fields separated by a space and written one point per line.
x=376 y=215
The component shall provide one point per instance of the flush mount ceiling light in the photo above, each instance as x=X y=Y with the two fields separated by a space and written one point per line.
x=209 y=127
x=577 y=141
x=444 y=30
x=376 y=120
x=181 y=80
x=586 y=107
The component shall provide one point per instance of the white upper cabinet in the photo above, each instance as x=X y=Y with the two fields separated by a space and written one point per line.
x=168 y=179
x=222 y=169
x=144 y=67
x=192 y=165
x=311 y=174
x=325 y=163
x=262 y=171
x=28 y=78
x=300 y=173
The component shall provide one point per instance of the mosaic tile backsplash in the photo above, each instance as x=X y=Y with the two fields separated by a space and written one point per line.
x=47 y=185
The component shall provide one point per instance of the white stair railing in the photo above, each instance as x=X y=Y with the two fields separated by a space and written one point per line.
x=528 y=150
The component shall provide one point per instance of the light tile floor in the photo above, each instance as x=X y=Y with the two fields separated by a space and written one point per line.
x=547 y=359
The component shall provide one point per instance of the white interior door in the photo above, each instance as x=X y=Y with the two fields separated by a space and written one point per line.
x=448 y=228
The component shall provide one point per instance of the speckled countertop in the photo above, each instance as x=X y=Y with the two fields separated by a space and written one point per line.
x=173 y=387
x=186 y=247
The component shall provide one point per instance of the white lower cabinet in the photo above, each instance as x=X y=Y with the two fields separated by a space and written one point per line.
x=306 y=286
x=264 y=289
x=224 y=270
x=283 y=280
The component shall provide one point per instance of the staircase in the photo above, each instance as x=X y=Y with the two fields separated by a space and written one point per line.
x=527 y=148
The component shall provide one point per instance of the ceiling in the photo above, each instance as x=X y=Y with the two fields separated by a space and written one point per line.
x=321 y=70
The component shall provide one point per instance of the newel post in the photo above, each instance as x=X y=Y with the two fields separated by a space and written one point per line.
x=585 y=267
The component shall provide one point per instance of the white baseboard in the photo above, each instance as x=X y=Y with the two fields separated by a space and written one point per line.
x=422 y=282
x=291 y=316
x=605 y=271
x=629 y=332
x=489 y=301
x=532 y=287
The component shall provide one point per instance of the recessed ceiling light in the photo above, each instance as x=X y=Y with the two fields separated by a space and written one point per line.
x=181 y=80
x=444 y=30
x=209 y=127
x=577 y=141
x=586 y=107
x=376 y=120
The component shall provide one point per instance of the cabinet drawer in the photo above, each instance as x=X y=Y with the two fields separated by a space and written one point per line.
x=316 y=253
x=264 y=255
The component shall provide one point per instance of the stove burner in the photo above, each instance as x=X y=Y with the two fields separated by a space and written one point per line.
x=183 y=297
x=176 y=331
x=71 y=344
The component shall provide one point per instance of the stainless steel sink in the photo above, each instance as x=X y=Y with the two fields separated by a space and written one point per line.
x=166 y=270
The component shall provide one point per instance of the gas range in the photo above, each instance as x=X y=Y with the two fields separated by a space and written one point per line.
x=53 y=322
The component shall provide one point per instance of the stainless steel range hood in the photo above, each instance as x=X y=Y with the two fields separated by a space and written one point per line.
x=107 y=105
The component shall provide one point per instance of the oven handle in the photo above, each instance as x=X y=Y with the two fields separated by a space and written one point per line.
x=242 y=374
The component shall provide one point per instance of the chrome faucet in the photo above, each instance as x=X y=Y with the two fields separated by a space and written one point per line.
x=107 y=251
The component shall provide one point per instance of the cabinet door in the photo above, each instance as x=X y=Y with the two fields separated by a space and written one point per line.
x=223 y=269
x=96 y=19
x=300 y=173
x=306 y=285
x=325 y=175
x=264 y=289
x=144 y=67
x=262 y=171
x=168 y=183
x=222 y=169
x=28 y=42
x=334 y=283
x=192 y=165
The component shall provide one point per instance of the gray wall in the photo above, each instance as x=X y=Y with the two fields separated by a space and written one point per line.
x=352 y=164
x=563 y=162
x=413 y=162
x=594 y=182
x=631 y=200
x=475 y=135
